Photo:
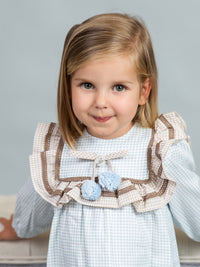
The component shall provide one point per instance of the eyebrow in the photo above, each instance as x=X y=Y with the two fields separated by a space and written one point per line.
x=121 y=81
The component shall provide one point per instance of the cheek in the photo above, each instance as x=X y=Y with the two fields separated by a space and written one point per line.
x=79 y=102
x=127 y=105
x=75 y=101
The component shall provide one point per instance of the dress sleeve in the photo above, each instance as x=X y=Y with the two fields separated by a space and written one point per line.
x=32 y=215
x=185 y=203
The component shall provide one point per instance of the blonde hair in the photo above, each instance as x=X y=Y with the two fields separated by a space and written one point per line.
x=99 y=36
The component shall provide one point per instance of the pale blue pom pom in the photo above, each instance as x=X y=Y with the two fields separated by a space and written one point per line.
x=90 y=190
x=109 y=181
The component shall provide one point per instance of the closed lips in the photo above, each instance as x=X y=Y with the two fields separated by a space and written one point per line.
x=102 y=118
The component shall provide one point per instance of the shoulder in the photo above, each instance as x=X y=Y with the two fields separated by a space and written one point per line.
x=171 y=144
x=47 y=137
x=169 y=129
x=170 y=126
x=179 y=154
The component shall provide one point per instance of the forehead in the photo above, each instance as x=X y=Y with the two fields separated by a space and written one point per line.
x=107 y=64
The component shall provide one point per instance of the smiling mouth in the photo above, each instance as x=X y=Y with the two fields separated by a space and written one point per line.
x=102 y=119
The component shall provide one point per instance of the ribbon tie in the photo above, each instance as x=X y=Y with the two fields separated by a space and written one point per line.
x=108 y=180
x=98 y=159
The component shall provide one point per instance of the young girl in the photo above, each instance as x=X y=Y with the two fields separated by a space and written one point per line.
x=111 y=178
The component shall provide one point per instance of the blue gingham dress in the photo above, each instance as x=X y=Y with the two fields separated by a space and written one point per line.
x=87 y=236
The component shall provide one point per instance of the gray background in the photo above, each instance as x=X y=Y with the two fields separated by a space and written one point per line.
x=32 y=33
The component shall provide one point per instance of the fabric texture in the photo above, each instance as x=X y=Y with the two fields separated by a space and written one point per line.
x=135 y=230
x=145 y=194
x=33 y=215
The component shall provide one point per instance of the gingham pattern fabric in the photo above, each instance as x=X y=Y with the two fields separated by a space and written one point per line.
x=94 y=237
x=146 y=193
x=88 y=236
x=33 y=215
x=185 y=203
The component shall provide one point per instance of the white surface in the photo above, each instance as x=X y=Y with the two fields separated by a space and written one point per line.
x=1 y=227
x=189 y=250
x=24 y=251
x=7 y=205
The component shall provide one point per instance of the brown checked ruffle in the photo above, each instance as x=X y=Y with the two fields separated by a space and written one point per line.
x=145 y=195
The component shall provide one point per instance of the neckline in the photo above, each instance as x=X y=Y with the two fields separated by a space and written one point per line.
x=124 y=136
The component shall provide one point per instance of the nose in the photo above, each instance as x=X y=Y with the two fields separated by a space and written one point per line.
x=101 y=99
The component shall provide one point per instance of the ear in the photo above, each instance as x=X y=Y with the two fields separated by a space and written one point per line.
x=145 y=91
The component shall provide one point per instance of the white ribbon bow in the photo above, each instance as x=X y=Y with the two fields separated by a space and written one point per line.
x=98 y=159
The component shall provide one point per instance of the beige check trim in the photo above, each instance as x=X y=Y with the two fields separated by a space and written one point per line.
x=145 y=195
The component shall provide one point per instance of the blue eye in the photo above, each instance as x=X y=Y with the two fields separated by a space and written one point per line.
x=119 y=88
x=87 y=86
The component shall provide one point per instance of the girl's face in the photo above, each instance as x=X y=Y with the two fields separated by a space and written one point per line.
x=106 y=94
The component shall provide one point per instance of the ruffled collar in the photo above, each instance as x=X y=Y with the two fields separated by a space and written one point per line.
x=145 y=195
